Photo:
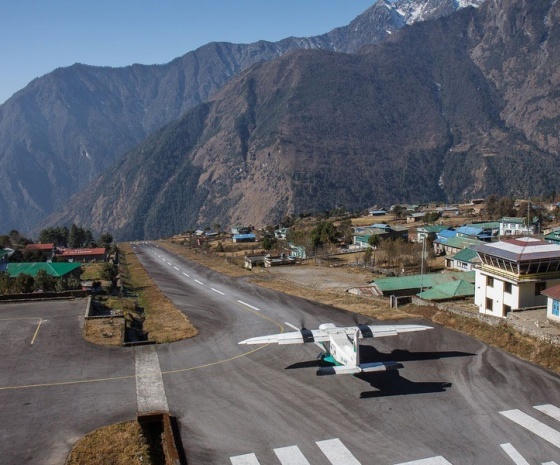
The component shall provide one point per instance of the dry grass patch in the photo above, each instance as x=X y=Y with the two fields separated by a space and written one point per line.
x=91 y=271
x=104 y=331
x=350 y=302
x=161 y=319
x=120 y=444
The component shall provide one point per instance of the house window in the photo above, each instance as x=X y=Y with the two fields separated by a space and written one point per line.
x=507 y=288
x=488 y=304
x=555 y=308
x=489 y=281
x=507 y=309
x=539 y=287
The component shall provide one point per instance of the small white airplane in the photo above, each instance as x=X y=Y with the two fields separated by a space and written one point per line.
x=343 y=353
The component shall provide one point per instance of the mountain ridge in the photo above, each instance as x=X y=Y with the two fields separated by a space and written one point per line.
x=416 y=118
x=65 y=128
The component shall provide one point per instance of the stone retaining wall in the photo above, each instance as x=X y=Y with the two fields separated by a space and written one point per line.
x=491 y=320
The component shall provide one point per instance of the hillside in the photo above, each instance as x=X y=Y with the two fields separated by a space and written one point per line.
x=67 y=127
x=424 y=116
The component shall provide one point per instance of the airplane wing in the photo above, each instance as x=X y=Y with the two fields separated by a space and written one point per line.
x=323 y=334
x=295 y=337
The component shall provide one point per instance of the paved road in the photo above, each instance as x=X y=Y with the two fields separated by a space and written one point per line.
x=54 y=386
x=456 y=401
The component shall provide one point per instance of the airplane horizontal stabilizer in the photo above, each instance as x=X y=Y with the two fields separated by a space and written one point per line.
x=363 y=368
x=379 y=366
x=338 y=370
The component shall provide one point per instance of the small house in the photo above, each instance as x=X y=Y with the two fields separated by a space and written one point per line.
x=244 y=237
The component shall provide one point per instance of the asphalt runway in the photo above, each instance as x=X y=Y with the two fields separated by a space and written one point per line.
x=455 y=401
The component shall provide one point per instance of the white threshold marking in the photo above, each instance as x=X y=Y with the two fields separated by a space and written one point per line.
x=186 y=275
x=291 y=456
x=176 y=268
x=248 y=459
x=250 y=306
x=336 y=452
x=513 y=454
x=550 y=463
x=550 y=410
x=535 y=426
x=199 y=282
x=430 y=461
x=216 y=290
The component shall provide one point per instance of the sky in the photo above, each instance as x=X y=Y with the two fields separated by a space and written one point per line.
x=38 y=36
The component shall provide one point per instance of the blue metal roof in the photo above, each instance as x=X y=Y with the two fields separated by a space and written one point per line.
x=469 y=230
x=446 y=233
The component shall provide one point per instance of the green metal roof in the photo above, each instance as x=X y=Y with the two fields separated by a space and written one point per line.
x=461 y=242
x=450 y=290
x=416 y=281
x=466 y=255
x=485 y=225
x=434 y=228
x=54 y=269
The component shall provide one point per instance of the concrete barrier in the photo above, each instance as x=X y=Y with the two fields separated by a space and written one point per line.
x=36 y=296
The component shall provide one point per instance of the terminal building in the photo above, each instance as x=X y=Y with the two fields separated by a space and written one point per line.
x=513 y=274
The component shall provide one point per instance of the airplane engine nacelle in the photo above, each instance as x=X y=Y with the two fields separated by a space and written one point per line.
x=327 y=326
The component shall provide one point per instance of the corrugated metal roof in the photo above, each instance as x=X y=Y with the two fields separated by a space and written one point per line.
x=434 y=228
x=486 y=225
x=415 y=281
x=53 y=269
x=467 y=255
x=71 y=252
x=449 y=290
x=447 y=233
x=521 y=249
x=39 y=247
x=553 y=292
x=469 y=230
x=460 y=242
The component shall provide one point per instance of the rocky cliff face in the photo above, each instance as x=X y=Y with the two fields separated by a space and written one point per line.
x=424 y=116
x=67 y=127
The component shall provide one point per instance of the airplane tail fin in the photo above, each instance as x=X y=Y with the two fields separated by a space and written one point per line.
x=356 y=350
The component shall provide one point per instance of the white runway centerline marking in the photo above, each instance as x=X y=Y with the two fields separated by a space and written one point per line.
x=336 y=452
x=430 y=461
x=186 y=275
x=550 y=410
x=513 y=454
x=291 y=456
x=250 y=306
x=535 y=426
x=248 y=459
x=176 y=268
x=216 y=290
x=199 y=282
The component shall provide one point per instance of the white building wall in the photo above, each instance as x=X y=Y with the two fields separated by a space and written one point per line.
x=522 y=295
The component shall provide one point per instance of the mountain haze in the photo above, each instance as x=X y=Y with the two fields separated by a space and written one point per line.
x=437 y=112
x=65 y=128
